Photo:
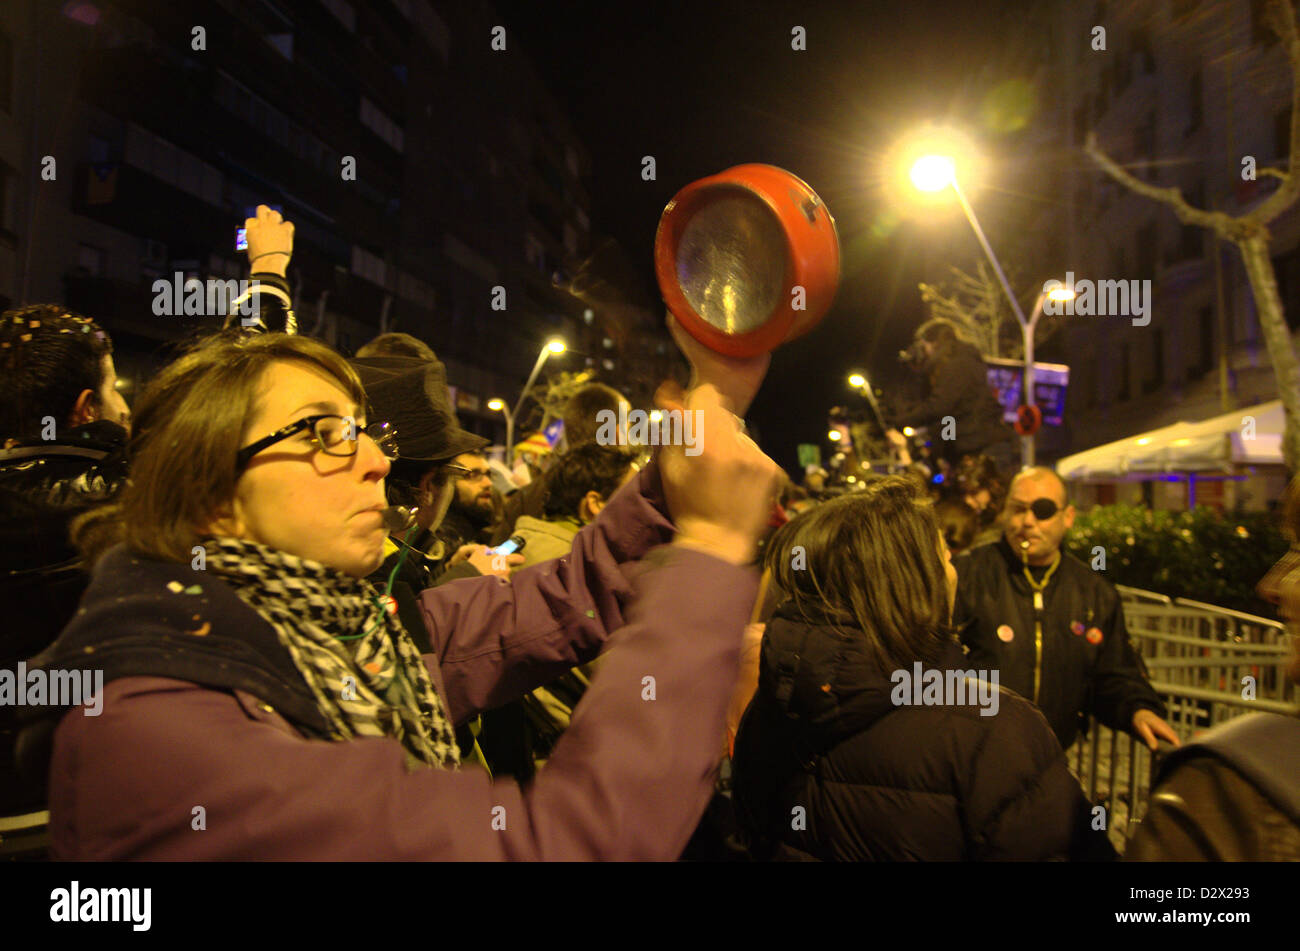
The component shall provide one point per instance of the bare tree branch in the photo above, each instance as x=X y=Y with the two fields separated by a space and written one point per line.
x=1216 y=220
x=975 y=303
x=1250 y=233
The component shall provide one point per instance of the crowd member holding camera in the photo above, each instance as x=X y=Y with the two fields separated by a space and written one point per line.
x=63 y=431
x=269 y=300
x=958 y=387
x=252 y=672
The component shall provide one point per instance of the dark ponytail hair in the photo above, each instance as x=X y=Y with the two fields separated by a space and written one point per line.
x=869 y=560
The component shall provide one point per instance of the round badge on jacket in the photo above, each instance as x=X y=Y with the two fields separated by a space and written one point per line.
x=1094 y=635
x=1005 y=633
x=1077 y=628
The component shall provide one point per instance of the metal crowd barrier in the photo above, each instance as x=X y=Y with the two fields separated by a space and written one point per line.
x=1208 y=664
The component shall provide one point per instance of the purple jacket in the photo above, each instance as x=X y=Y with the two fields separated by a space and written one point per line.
x=174 y=770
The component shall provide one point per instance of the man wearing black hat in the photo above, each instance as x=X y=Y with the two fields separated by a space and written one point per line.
x=411 y=393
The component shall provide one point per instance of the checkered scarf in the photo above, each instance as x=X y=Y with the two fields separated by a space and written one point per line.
x=376 y=685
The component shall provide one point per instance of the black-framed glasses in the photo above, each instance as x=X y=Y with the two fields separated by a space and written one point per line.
x=333 y=435
x=453 y=471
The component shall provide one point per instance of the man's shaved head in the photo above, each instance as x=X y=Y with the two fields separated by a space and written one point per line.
x=1040 y=474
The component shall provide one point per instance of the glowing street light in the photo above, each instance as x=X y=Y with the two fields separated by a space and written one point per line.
x=928 y=159
x=859 y=382
x=1052 y=290
x=933 y=173
x=555 y=345
x=834 y=435
x=498 y=405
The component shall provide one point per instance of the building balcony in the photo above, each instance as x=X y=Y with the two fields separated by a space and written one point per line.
x=132 y=200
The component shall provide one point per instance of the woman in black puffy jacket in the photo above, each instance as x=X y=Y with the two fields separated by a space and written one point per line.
x=62 y=451
x=866 y=739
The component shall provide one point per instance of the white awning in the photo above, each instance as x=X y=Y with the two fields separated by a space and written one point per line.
x=1248 y=436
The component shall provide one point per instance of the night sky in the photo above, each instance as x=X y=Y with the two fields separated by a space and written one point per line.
x=704 y=86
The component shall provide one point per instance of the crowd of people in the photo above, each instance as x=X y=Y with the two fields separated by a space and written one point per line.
x=284 y=564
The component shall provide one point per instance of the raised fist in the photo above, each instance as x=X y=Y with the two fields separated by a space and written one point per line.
x=270 y=241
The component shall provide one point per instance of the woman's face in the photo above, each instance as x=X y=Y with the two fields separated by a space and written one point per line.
x=296 y=498
x=949 y=572
x=112 y=404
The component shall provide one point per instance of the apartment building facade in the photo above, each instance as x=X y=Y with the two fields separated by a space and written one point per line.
x=436 y=187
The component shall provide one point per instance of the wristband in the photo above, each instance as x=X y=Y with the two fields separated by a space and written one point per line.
x=266 y=254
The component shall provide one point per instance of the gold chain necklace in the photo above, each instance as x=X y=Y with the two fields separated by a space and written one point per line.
x=1037 y=587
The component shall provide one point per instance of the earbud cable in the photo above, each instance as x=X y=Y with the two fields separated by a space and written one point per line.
x=384 y=599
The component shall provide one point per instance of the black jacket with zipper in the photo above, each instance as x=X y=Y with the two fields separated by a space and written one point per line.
x=1074 y=676
x=827 y=767
x=43 y=486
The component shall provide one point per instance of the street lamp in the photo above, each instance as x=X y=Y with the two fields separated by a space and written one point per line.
x=1056 y=291
x=933 y=173
x=860 y=383
x=554 y=345
x=498 y=405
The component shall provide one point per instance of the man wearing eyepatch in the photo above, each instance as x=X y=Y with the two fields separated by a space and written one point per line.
x=1050 y=625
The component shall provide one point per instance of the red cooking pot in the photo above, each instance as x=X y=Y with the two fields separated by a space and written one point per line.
x=747 y=259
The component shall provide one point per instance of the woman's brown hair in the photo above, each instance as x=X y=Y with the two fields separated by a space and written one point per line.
x=189 y=424
x=869 y=559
